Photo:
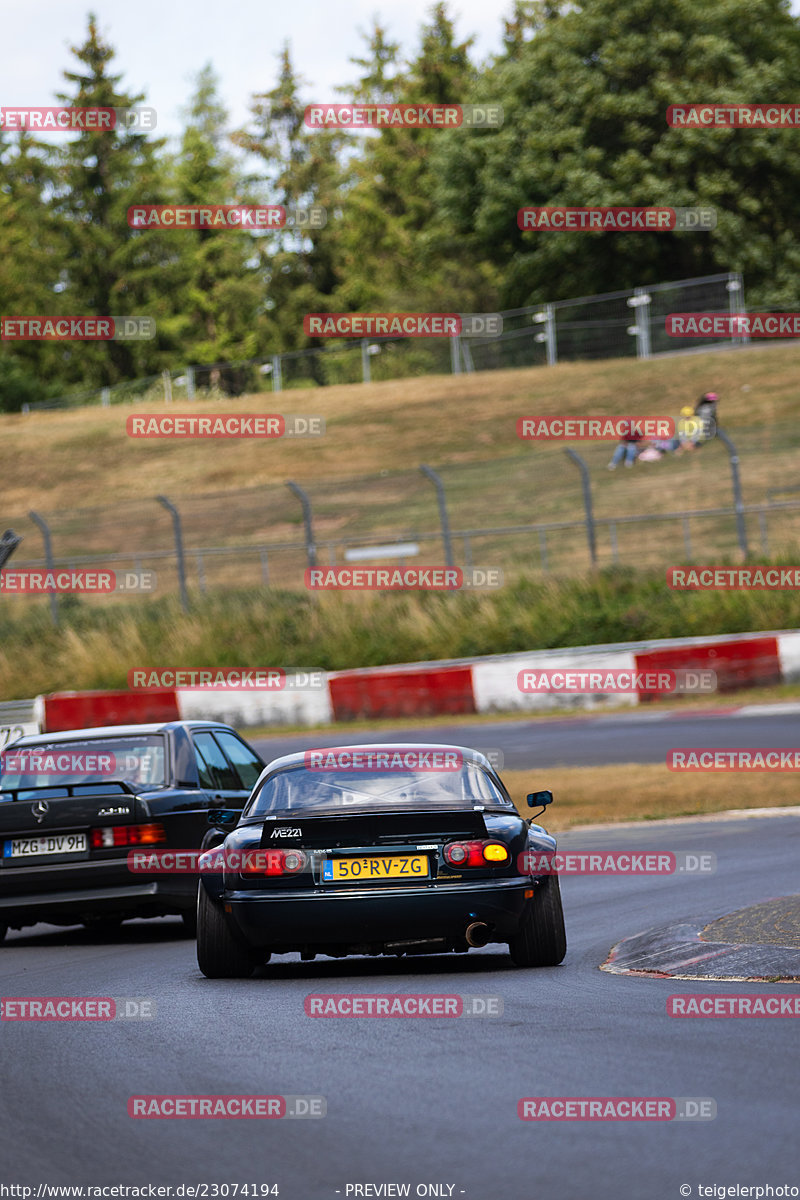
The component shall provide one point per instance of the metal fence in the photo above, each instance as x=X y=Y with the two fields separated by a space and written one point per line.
x=624 y=324
x=531 y=513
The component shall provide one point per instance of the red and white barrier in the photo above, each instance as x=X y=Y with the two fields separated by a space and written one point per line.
x=479 y=685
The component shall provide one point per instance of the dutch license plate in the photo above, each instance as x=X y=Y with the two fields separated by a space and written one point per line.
x=56 y=843
x=363 y=870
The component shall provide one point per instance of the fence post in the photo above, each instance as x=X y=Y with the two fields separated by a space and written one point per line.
x=190 y=392
x=587 y=503
x=48 y=555
x=366 y=376
x=547 y=317
x=176 y=526
x=737 y=491
x=543 y=548
x=641 y=300
x=455 y=356
x=277 y=377
x=166 y=379
x=302 y=496
x=443 y=517
x=736 y=305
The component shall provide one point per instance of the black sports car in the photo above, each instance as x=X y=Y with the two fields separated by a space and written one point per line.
x=378 y=849
x=73 y=805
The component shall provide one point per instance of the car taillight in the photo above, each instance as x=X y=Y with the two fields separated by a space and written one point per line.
x=127 y=835
x=475 y=854
x=274 y=862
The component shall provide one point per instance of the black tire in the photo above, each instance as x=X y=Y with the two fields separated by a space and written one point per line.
x=541 y=940
x=219 y=956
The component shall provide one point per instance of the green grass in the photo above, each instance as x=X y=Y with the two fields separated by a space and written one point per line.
x=95 y=647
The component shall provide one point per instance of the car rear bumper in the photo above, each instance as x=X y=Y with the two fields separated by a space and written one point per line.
x=345 y=917
x=67 y=892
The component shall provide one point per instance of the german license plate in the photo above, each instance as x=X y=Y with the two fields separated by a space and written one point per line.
x=56 y=843
x=365 y=870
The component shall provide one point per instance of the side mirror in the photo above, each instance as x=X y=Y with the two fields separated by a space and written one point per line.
x=223 y=818
x=539 y=799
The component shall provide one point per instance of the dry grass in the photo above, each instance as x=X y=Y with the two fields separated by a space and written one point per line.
x=636 y=792
x=385 y=426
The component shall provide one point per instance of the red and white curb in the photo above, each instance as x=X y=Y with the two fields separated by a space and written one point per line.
x=477 y=685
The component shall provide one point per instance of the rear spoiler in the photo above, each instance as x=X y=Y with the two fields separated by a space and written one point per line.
x=31 y=793
x=336 y=827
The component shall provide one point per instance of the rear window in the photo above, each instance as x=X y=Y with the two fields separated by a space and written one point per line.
x=140 y=759
x=340 y=791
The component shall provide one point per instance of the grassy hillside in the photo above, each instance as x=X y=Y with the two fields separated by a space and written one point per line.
x=53 y=460
x=96 y=486
x=97 y=489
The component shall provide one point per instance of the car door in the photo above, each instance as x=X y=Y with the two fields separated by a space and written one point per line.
x=226 y=766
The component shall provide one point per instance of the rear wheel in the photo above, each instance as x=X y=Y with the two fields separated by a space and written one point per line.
x=219 y=956
x=541 y=940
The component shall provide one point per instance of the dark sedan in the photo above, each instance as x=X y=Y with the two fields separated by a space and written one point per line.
x=378 y=850
x=74 y=805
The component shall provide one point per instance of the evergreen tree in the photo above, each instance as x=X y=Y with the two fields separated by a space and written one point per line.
x=296 y=167
x=30 y=268
x=112 y=270
x=387 y=239
x=217 y=277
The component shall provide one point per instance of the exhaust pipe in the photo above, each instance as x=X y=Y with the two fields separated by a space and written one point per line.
x=477 y=934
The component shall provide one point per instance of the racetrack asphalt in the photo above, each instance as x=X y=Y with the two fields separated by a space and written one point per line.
x=418 y=1101
x=640 y=736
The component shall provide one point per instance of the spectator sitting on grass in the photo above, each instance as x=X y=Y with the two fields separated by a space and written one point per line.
x=690 y=430
x=628 y=448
